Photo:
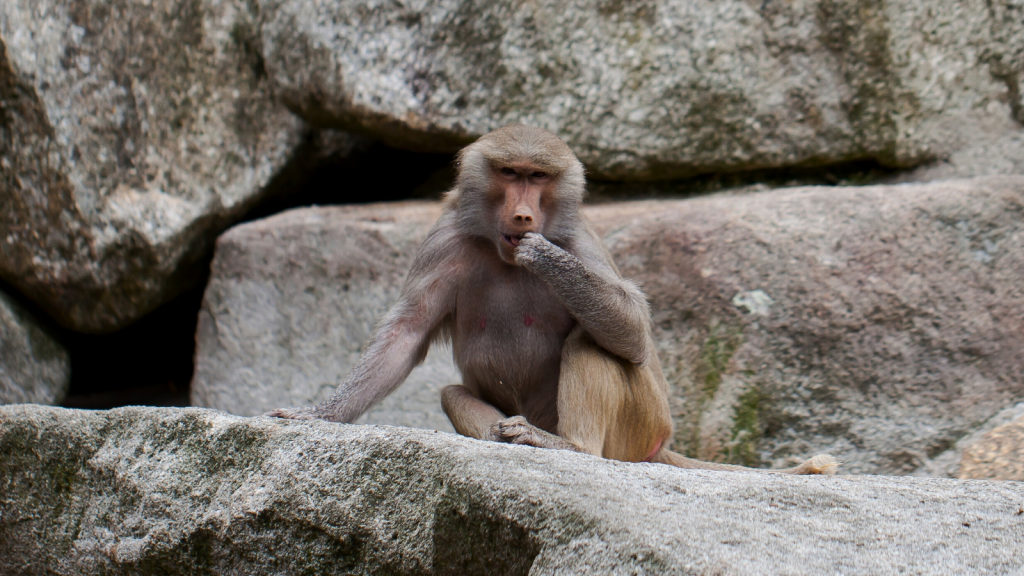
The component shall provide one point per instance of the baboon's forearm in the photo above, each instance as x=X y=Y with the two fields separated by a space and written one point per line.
x=615 y=314
x=394 y=350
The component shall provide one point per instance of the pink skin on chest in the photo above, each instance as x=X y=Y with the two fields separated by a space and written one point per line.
x=528 y=320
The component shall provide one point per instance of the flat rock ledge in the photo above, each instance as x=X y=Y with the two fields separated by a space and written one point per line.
x=196 y=491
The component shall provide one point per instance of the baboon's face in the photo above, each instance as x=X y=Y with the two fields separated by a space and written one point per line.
x=521 y=194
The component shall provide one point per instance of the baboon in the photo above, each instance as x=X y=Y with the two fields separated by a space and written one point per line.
x=554 y=346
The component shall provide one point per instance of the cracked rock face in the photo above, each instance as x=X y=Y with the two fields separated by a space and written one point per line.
x=192 y=491
x=132 y=132
x=658 y=89
x=879 y=324
x=34 y=368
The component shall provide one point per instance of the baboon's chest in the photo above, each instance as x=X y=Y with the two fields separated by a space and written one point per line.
x=508 y=328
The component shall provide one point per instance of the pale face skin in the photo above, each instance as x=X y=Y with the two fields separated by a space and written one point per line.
x=520 y=190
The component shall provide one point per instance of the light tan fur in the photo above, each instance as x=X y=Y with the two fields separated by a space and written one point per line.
x=554 y=346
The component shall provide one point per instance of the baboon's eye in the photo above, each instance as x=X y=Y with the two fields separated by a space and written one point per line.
x=539 y=174
x=508 y=171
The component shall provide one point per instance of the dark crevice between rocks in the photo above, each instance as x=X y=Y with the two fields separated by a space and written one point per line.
x=369 y=171
x=852 y=173
x=148 y=363
x=1013 y=92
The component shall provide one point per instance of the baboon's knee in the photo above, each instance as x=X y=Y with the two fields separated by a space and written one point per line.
x=453 y=393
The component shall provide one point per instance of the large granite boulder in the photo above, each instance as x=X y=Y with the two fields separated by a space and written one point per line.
x=661 y=89
x=189 y=491
x=879 y=324
x=131 y=133
x=34 y=367
x=292 y=301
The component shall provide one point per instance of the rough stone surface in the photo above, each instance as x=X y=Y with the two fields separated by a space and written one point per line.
x=661 y=89
x=190 y=491
x=34 y=367
x=948 y=463
x=131 y=133
x=999 y=454
x=1000 y=155
x=292 y=301
x=879 y=324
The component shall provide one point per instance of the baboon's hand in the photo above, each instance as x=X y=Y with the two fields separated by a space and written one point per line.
x=293 y=413
x=534 y=249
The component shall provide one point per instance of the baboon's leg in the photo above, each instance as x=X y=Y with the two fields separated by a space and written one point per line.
x=475 y=418
x=469 y=415
x=590 y=391
x=582 y=405
x=613 y=407
x=603 y=407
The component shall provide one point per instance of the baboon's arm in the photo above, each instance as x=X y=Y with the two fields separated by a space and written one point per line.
x=402 y=339
x=611 y=309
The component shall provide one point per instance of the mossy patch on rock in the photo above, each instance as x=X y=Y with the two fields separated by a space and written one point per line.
x=718 y=349
x=746 y=430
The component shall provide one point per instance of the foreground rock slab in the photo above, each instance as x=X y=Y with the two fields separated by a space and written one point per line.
x=133 y=132
x=156 y=491
x=879 y=324
x=662 y=89
x=34 y=367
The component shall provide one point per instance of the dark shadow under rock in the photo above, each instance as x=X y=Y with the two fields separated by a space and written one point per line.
x=149 y=363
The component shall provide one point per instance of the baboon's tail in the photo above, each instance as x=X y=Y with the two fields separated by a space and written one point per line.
x=820 y=464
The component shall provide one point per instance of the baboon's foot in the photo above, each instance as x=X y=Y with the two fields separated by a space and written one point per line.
x=516 y=430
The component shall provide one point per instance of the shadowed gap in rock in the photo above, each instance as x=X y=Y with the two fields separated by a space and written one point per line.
x=149 y=362
x=372 y=172
x=853 y=173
